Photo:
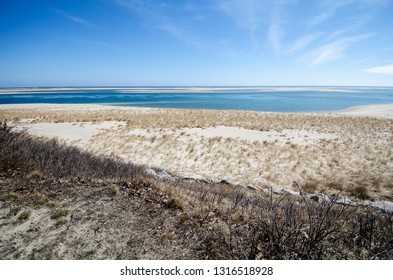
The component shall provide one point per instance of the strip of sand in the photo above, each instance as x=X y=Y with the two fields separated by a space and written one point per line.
x=381 y=110
x=55 y=106
x=377 y=110
x=170 y=89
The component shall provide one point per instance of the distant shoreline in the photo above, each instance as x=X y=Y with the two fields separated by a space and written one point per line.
x=375 y=110
x=35 y=90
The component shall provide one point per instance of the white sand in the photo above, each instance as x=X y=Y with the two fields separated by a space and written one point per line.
x=78 y=134
x=381 y=111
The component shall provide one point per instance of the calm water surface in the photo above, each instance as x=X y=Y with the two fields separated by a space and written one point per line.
x=257 y=99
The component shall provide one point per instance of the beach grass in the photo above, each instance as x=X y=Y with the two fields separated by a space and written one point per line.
x=331 y=152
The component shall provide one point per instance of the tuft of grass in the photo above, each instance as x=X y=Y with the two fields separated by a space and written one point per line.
x=59 y=214
x=310 y=187
x=87 y=254
x=25 y=215
x=39 y=200
x=334 y=186
x=34 y=175
x=60 y=223
x=112 y=191
x=173 y=203
x=360 y=192
x=11 y=197
x=166 y=238
x=134 y=242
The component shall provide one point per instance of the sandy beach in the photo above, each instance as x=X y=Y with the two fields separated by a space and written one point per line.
x=383 y=111
x=344 y=152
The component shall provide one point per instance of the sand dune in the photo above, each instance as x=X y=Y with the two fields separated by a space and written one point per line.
x=330 y=152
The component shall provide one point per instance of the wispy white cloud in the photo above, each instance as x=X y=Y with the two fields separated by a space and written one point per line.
x=76 y=19
x=333 y=50
x=276 y=30
x=303 y=42
x=246 y=13
x=385 y=69
x=144 y=8
x=263 y=21
x=158 y=15
x=323 y=16
x=330 y=7
x=363 y=60
x=274 y=35
x=388 y=49
x=334 y=44
x=179 y=33
x=255 y=16
x=101 y=44
x=359 y=22
x=376 y=4
x=79 y=20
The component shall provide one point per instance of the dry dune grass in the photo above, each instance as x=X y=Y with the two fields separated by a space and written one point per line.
x=354 y=156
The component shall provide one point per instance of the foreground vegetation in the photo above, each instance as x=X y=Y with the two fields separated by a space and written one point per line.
x=58 y=202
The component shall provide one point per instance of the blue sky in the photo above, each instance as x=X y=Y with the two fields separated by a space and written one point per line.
x=190 y=43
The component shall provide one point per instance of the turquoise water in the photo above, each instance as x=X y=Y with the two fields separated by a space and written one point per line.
x=242 y=98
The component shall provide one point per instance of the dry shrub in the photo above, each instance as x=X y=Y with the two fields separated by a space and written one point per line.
x=360 y=192
x=310 y=186
x=34 y=175
x=25 y=215
x=234 y=223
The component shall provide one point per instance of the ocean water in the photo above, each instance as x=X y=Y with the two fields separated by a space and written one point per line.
x=281 y=99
